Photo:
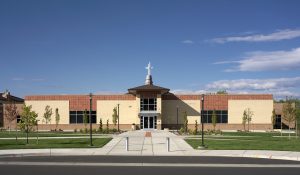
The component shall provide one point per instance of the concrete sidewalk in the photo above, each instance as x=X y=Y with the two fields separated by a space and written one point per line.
x=141 y=145
x=152 y=145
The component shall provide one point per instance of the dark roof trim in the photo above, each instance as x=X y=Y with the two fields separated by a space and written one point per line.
x=11 y=97
x=148 y=88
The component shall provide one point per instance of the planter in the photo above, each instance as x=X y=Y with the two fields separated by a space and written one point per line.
x=133 y=128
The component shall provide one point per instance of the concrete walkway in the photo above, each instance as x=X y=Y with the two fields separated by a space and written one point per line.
x=151 y=143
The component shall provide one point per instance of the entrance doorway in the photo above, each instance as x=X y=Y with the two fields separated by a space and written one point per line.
x=148 y=122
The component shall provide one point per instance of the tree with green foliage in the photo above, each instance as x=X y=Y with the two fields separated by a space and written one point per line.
x=289 y=113
x=214 y=119
x=100 y=126
x=107 y=126
x=273 y=118
x=57 y=118
x=115 y=116
x=28 y=120
x=297 y=105
x=85 y=119
x=247 y=118
x=222 y=92
x=185 y=122
x=196 y=127
x=48 y=114
x=244 y=119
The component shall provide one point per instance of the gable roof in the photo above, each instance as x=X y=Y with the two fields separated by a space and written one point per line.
x=147 y=88
x=13 y=98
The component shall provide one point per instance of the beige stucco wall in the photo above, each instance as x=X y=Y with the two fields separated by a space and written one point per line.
x=169 y=112
x=39 y=108
x=128 y=111
x=262 y=111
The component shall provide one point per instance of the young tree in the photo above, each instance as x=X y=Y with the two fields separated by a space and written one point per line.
x=196 y=127
x=85 y=119
x=100 y=126
x=48 y=114
x=289 y=113
x=10 y=113
x=214 y=119
x=244 y=120
x=297 y=106
x=107 y=126
x=249 y=117
x=185 y=122
x=222 y=92
x=273 y=118
x=28 y=120
x=115 y=116
x=57 y=118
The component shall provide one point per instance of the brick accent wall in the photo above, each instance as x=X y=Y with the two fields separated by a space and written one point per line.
x=218 y=101
x=80 y=102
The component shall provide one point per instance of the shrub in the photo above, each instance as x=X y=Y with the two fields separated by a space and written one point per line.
x=75 y=130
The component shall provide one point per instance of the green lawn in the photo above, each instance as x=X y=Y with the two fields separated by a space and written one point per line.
x=13 y=134
x=53 y=143
x=257 y=141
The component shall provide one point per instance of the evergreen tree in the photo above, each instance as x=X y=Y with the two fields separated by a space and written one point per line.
x=115 y=116
x=57 y=118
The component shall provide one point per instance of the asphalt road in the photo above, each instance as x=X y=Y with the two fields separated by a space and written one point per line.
x=131 y=165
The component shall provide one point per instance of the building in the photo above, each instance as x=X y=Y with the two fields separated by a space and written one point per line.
x=6 y=101
x=154 y=107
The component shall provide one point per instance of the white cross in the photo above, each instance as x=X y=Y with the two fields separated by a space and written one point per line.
x=149 y=67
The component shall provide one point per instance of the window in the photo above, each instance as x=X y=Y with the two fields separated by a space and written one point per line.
x=77 y=116
x=18 y=119
x=148 y=104
x=277 y=122
x=222 y=116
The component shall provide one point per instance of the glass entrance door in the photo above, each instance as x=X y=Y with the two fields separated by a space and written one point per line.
x=148 y=122
x=151 y=123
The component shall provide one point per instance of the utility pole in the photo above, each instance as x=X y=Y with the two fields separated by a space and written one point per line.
x=118 y=118
x=90 y=117
x=177 y=117
x=202 y=124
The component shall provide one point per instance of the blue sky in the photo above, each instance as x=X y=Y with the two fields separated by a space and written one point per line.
x=77 y=47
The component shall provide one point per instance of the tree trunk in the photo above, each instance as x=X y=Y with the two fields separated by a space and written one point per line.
x=289 y=131
x=9 y=127
x=27 y=134
x=248 y=126
x=296 y=128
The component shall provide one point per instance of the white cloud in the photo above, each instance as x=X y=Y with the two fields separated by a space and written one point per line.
x=187 y=42
x=262 y=61
x=279 y=87
x=275 y=36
